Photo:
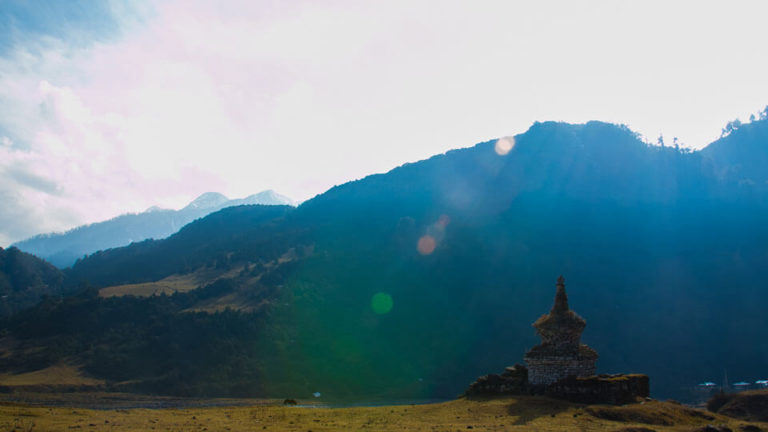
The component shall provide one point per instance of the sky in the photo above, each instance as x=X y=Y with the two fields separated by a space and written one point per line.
x=109 y=107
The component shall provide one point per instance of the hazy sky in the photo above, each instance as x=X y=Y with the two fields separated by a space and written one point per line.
x=112 y=107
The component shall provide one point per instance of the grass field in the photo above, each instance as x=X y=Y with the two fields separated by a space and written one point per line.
x=168 y=285
x=190 y=281
x=506 y=414
x=60 y=374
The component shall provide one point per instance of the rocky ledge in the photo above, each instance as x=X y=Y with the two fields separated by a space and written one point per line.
x=616 y=389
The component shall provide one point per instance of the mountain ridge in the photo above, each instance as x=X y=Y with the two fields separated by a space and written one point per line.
x=660 y=253
x=63 y=249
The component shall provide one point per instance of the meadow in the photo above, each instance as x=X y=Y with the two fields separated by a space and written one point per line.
x=503 y=414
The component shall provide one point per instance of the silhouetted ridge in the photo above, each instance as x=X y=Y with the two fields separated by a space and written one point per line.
x=742 y=155
x=391 y=285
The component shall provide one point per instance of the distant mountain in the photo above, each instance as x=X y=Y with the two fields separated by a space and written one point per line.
x=206 y=201
x=412 y=283
x=63 y=249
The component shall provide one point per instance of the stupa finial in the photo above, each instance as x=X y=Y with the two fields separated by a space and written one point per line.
x=561 y=298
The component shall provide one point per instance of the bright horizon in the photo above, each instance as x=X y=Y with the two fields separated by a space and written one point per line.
x=114 y=107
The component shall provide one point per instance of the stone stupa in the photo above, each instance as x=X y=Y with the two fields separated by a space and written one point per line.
x=561 y=353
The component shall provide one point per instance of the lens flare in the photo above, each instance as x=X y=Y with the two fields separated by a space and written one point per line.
x=381 y=303
x=504 y=145
x=443 y=221
x=426 y=244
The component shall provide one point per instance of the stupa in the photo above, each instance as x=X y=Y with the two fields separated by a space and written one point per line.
x=561 y=353
x=561 y=366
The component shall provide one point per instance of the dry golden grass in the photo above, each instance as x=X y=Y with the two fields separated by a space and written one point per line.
x=171 y=284
x=190 y=281
x=60 y=374
x=508 y=414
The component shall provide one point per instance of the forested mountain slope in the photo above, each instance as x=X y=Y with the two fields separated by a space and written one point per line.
x=63 y=249
x=24 y=280
x=413 y=282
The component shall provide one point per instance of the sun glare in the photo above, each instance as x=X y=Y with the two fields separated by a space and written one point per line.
x=504 y=145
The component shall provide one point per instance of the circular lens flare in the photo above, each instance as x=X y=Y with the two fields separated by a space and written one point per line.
x=504 y=145
x=426 y=244
x=381 y=303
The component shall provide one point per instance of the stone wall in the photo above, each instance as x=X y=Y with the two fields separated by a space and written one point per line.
x=514 y=381
x=601 y=389
x=547 y=370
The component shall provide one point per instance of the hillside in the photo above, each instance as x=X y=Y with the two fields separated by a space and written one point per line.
x=741 y=155
x=63 y=249
x=24 y=280
x=414 y=282
x=750 y=405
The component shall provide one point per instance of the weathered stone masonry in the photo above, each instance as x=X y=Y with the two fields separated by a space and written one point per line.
x=561 y=366
x=561 y=353
x=543 y=371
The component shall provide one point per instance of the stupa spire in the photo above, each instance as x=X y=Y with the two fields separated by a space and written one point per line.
x=561 y=352
x=561 y=298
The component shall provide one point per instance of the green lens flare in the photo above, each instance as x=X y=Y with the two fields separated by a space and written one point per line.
x=381 y=303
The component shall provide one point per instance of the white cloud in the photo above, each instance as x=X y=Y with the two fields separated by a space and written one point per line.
x=244 y=96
